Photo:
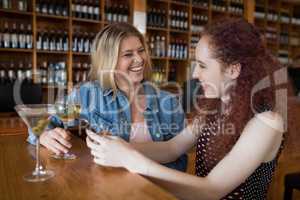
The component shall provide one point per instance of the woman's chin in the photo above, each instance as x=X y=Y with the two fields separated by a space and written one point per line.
x=209 y=95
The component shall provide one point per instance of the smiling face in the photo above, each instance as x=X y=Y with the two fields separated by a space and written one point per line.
x=208 y=70
x=215 y=78
x=131 y=62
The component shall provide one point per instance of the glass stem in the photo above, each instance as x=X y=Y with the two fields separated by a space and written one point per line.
x=37 y=155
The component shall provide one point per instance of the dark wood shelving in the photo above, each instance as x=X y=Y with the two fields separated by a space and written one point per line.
x=16 y=50
x=51 y=52
x=80 y=54
x=10 y=11
x=41 y=15
x=86 y=20
x=156 y=28
x=179 y=31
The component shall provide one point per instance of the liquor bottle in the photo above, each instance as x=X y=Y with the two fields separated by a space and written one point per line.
x=96 y=13
x=65 y=41
x=29 y=37
x=59 y=41
x=45 y=41
x=86 y=45
x=6 y=36
x=22 y=5
x=44 y=7
x=52 y=41
x=75 y=42
x=78 y=10
x=51 y=8
x=22 y=37
x=84 y=9
x=11 y=73
x=6 y=4
x=39 y=40
x=14 y=37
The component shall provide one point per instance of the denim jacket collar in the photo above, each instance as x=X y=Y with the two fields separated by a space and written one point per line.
x=150 y=92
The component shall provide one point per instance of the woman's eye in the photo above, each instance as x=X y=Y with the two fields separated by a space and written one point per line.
x=141 y=50
x=202 y=66
x=127 y=55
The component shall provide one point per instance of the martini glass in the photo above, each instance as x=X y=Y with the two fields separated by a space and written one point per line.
x=37 y=118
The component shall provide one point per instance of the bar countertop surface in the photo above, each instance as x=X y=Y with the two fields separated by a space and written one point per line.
x=74 y=179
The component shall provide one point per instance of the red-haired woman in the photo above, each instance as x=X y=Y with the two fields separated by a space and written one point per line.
x=238 y=137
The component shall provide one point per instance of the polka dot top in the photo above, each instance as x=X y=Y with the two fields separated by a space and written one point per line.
x=212 y=148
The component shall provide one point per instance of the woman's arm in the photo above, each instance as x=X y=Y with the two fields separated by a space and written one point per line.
x=260 y=139
x=167 y=151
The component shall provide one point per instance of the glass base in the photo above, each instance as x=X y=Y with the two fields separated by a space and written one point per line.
x=65 y=156
x=39 y=176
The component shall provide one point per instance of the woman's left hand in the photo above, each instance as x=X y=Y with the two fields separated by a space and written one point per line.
x=113 y=151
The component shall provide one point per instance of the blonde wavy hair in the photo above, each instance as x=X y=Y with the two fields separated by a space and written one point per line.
x=105 y=53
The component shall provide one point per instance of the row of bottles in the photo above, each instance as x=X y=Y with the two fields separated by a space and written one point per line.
x=237 y=9
x=219 y=5
x=158 y=75
x=52 y=73
x=182 y=1
x=156 y=18
x=51 y=7
x=12 y=71
x=16 y=36
x=178 y=19
x=295 y=20
x=52 y=40
x=80 y=71
x=271 y=34
x=202 y=3
x=82 y=42
x=21 y=5
x=117 y=13
x=198 y=22
x=157 y=45
x=178 y=49
x=87 y=9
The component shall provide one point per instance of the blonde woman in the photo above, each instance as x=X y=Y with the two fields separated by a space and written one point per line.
x=119 y=99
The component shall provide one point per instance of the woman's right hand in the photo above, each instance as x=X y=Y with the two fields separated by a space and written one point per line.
x=56 y=140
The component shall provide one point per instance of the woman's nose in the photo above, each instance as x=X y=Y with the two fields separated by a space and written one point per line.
x=196 y=73
x=137 y=58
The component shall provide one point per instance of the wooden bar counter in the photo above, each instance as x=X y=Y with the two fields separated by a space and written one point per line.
x=75 y=179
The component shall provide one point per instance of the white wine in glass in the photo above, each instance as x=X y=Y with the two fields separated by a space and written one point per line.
x=68 y=111
x=37 y=118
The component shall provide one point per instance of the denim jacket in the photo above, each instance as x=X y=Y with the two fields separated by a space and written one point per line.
x=105 y=111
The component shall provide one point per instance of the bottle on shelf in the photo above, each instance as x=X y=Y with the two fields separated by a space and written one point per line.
x=80 y=71
x=6 y=4
x=48 y=7
x=158 y=74
x=14 y=36
x=82 y=42
x=22 y=5
x=117 y=13
x=172 y=74
x=22 y=37
x=156 y=18
x=6 y=36
x=178 y=49
x=202 y=3
x=87 y=9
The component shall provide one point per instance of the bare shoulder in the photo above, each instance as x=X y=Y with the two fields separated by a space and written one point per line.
x=270 y=119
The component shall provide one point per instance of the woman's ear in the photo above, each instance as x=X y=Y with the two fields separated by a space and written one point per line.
x=233 y=71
